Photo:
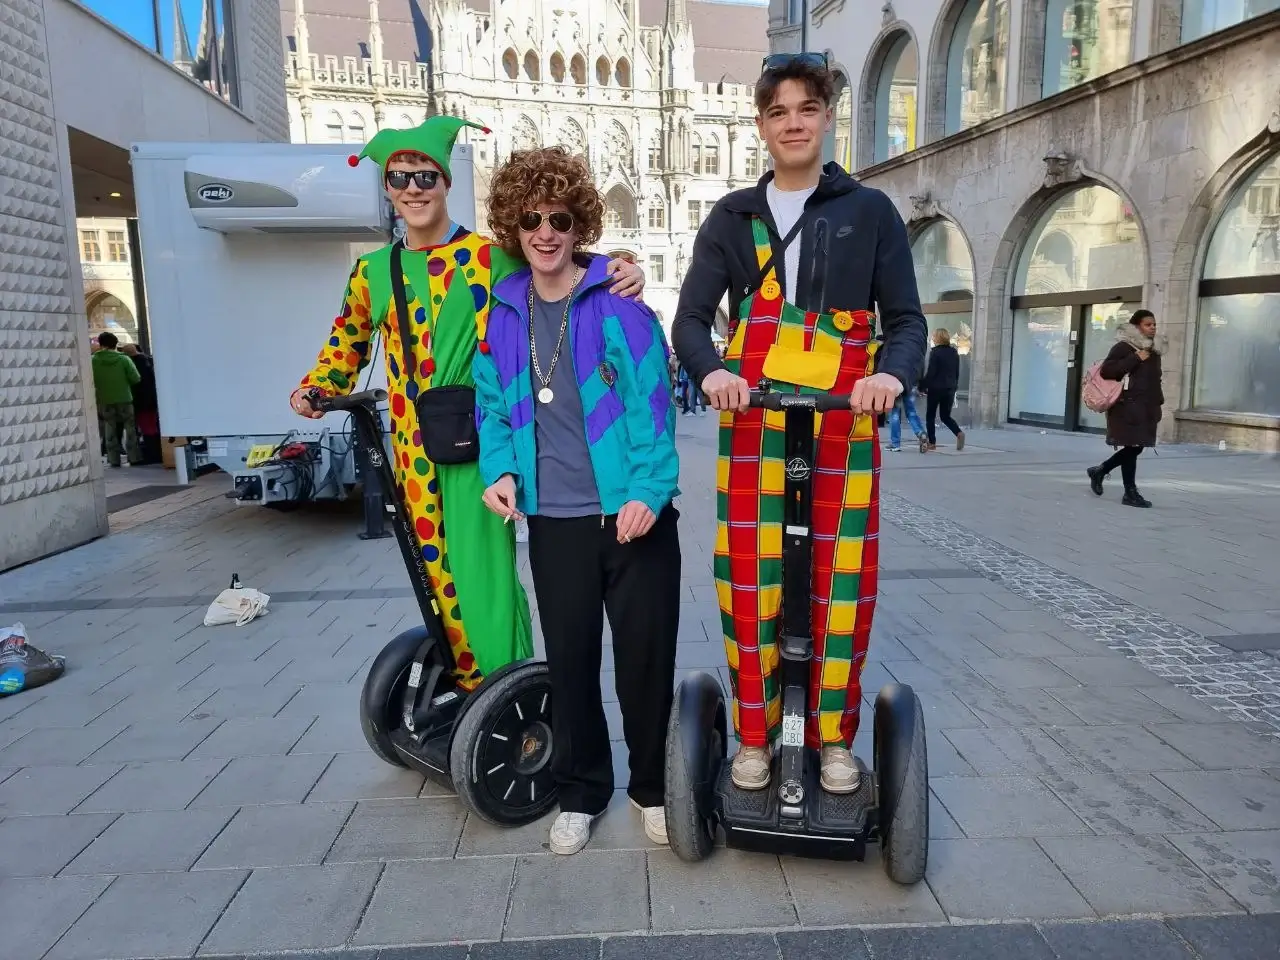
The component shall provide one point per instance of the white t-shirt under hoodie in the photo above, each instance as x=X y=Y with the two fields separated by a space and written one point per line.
x=786 y=207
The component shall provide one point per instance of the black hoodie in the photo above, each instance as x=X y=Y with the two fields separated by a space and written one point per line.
x=854 y=255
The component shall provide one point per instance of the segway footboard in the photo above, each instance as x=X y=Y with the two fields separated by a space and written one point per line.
x=832 y=827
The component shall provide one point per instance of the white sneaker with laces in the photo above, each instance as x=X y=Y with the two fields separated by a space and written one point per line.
x=840 y=773
x=655 y=822
x=570 y=832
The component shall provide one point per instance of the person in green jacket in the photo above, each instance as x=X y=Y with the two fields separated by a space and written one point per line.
x=114 y=375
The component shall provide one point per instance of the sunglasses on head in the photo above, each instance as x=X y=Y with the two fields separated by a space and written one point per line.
x=531 y=220
x=780 y=61
x=425 y=179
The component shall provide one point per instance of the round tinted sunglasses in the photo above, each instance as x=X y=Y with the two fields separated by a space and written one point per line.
x=531 y=220
x=425 y=179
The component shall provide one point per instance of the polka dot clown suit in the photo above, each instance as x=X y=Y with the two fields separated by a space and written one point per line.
x=469 y=552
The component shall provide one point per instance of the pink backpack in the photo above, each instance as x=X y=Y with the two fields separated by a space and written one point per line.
x=1098 y=393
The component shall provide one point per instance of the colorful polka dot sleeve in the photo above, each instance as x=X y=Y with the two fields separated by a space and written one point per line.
x=346 y=352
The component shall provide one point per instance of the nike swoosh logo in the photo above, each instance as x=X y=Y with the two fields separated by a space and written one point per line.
x=844 y=232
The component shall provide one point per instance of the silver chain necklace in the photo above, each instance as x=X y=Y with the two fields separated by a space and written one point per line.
x=546 y=394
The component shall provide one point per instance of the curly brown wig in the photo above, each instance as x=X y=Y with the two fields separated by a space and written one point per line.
x=544 y=175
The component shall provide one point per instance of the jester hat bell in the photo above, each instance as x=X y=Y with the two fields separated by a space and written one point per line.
x=433 y=139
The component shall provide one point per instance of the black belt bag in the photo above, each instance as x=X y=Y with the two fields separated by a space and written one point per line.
x=446 y=415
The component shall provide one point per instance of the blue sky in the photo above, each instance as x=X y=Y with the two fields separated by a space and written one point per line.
x=134 y=18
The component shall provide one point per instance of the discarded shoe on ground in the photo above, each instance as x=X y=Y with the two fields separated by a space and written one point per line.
x=23 y=666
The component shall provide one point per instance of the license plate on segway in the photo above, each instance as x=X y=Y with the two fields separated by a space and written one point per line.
x=792 y=731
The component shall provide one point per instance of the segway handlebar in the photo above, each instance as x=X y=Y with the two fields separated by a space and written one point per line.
x=822 y=403
x=365 y=398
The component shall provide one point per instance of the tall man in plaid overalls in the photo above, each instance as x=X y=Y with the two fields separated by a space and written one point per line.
x=811 y=261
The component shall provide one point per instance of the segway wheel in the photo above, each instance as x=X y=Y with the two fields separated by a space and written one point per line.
x=500 y=758
x=696 y=749
x=382 y=696
x=902 y=771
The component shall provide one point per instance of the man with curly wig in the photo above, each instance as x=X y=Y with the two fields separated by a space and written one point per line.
x=443 y=280
x=577 y=432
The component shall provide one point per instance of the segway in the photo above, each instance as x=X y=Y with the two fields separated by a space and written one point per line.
x=491 y=745
x=794 y=815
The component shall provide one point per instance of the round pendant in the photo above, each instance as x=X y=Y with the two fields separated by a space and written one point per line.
x=545 y=395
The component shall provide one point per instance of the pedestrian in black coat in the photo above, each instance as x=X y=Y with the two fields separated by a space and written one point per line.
x=939 y=384
x=1132 y=420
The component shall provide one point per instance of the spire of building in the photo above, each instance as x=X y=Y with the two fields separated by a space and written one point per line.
x=182 y=56
x=375 y=37
x=302 y=40
x=676 y=13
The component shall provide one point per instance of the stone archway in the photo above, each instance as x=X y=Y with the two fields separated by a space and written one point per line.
x=105 y=312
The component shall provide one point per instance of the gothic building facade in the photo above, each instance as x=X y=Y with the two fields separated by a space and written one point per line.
x=667 y=126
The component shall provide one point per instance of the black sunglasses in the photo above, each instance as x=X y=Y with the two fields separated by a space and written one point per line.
x=425 y=179
x=780 y=61
x=531 y=220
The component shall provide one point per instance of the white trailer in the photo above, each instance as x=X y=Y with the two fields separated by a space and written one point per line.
x=246 y=248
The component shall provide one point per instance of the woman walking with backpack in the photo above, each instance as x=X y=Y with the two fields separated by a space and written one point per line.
x=1132 y=419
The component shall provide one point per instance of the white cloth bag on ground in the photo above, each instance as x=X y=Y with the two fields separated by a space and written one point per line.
x=237 y=605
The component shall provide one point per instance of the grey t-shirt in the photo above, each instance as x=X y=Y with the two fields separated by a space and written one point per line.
x=566 y=482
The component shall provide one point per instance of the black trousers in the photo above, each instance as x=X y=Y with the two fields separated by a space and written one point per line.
x=938 y=404
x=1126 y=458
x=580 y=574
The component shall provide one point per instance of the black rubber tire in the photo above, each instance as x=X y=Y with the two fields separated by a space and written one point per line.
x=902 y=772
x=696 y=749
x=381 y=698
x=495 y=702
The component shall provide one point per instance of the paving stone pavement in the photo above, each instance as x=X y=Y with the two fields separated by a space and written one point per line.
x=190 y=791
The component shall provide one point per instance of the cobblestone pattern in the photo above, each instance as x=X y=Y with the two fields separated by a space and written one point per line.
x=1244 y=686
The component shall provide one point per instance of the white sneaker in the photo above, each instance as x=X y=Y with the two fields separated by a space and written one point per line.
x=840 y=773
x=750 y=769
x=655 y=822
x=570 y=832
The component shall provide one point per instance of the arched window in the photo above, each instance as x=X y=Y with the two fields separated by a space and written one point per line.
x=897 y=88
x=1237 y=365
x=842 y=125
x=108 y=314
x=578 y=69
x=622 y=73
x=334 y=128
x=753 y=154
x=355 y=128
x=619 y=209
x=977 y=64
x=944 y=274
x=511 y=64
x=1202 y=17
x=1078 y=279
x=1084 y=39
x=602 y=71
x=532 y=69
x=657 y=213
x=557 y=67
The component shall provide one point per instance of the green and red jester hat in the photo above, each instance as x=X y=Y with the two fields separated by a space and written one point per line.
x=432 y=139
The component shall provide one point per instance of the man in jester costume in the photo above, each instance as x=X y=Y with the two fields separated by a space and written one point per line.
x=805 y=256
x=448 y=273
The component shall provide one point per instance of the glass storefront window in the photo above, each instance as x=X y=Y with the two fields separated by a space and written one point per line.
x=1079 y=277
x=944 y=275
x=1202 y=17
x=896 y=97
x=193 y=35
x=1084 y=39
x=977 y=64
x=1088 y=240
x=1237 y=366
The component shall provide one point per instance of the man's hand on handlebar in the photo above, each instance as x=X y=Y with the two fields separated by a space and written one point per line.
x=875 y=394
x=726 y=391
x=300 y=400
